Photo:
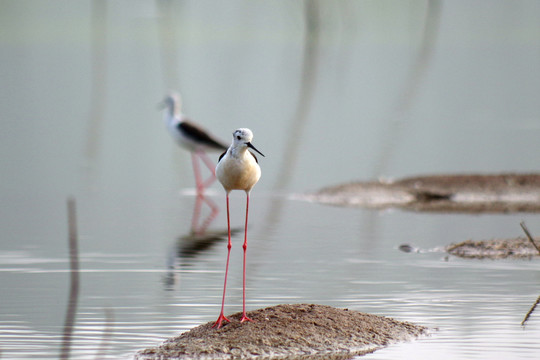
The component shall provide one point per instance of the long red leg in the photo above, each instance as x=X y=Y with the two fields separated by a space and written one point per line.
x=211 y=166
x=222 y=317
x=200 y=198
x=214 y=210
x=208 y=162
x=200 y=229
x=196 y=213
x=244 y=316
x=199 y=195
x=197 y=171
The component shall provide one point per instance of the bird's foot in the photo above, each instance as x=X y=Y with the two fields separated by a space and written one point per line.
x=245 y=318
x=220 y=320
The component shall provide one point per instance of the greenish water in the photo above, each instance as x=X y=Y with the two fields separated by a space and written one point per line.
x=359 y=91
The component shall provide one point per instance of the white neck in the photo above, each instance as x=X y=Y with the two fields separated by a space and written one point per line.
x=171 y=116
x=237 y=151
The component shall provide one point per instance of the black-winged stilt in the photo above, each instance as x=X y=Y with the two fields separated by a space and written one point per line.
x=192 y=138
x=237 y=169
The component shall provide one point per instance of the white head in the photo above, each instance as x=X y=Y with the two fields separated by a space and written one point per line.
x=242 y=139
x=173 y=103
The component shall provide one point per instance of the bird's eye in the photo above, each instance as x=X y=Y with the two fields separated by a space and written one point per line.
x=238 y=137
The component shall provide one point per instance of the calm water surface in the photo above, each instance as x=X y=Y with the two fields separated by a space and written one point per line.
x=333 y=93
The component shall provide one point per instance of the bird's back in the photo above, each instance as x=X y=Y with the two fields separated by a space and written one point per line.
x=193 y=137
x=200 y=137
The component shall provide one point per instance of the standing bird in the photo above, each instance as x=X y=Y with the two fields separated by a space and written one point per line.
x=193 y=138
x=237 y=169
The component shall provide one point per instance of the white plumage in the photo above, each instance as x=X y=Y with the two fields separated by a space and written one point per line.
x=237 y=169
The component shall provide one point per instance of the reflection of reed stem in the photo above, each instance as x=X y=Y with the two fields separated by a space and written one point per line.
x=524 y=227
x=74 y=276
x=107 y=334
x=98 y=93
x=308 y=77
x=310 y=61
x=167 y=24
x=531 y=310
x=413 y=82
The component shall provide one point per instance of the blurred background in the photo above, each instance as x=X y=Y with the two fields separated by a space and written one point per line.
x=333 y=91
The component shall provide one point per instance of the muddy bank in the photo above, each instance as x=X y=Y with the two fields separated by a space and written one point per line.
x=299 y=331
x=517 y=248
x=443 y=193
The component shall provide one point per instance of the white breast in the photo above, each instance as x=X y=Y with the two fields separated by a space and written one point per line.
x=238 y=173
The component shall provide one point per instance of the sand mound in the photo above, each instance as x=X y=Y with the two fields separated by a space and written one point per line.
x=494 y=249
x=299 y=331
x=473 y=193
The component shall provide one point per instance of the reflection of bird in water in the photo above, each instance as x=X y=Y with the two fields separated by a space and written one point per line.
x=237 y=169
x=192 y=138
x=200 y=229
x=191 y=245
x=188 y=248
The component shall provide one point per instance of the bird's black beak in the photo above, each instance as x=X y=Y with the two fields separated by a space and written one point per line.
x=250 y=145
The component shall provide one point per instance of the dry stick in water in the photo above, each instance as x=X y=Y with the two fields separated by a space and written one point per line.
x=524 y=227
x=531 y=310
x=74 y=276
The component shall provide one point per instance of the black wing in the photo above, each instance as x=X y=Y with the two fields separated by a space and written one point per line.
x=256 y=160
x=199 y=135
x=221 y=156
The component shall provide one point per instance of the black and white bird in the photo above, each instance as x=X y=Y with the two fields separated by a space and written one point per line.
x=237 y=169
x=193 y=138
